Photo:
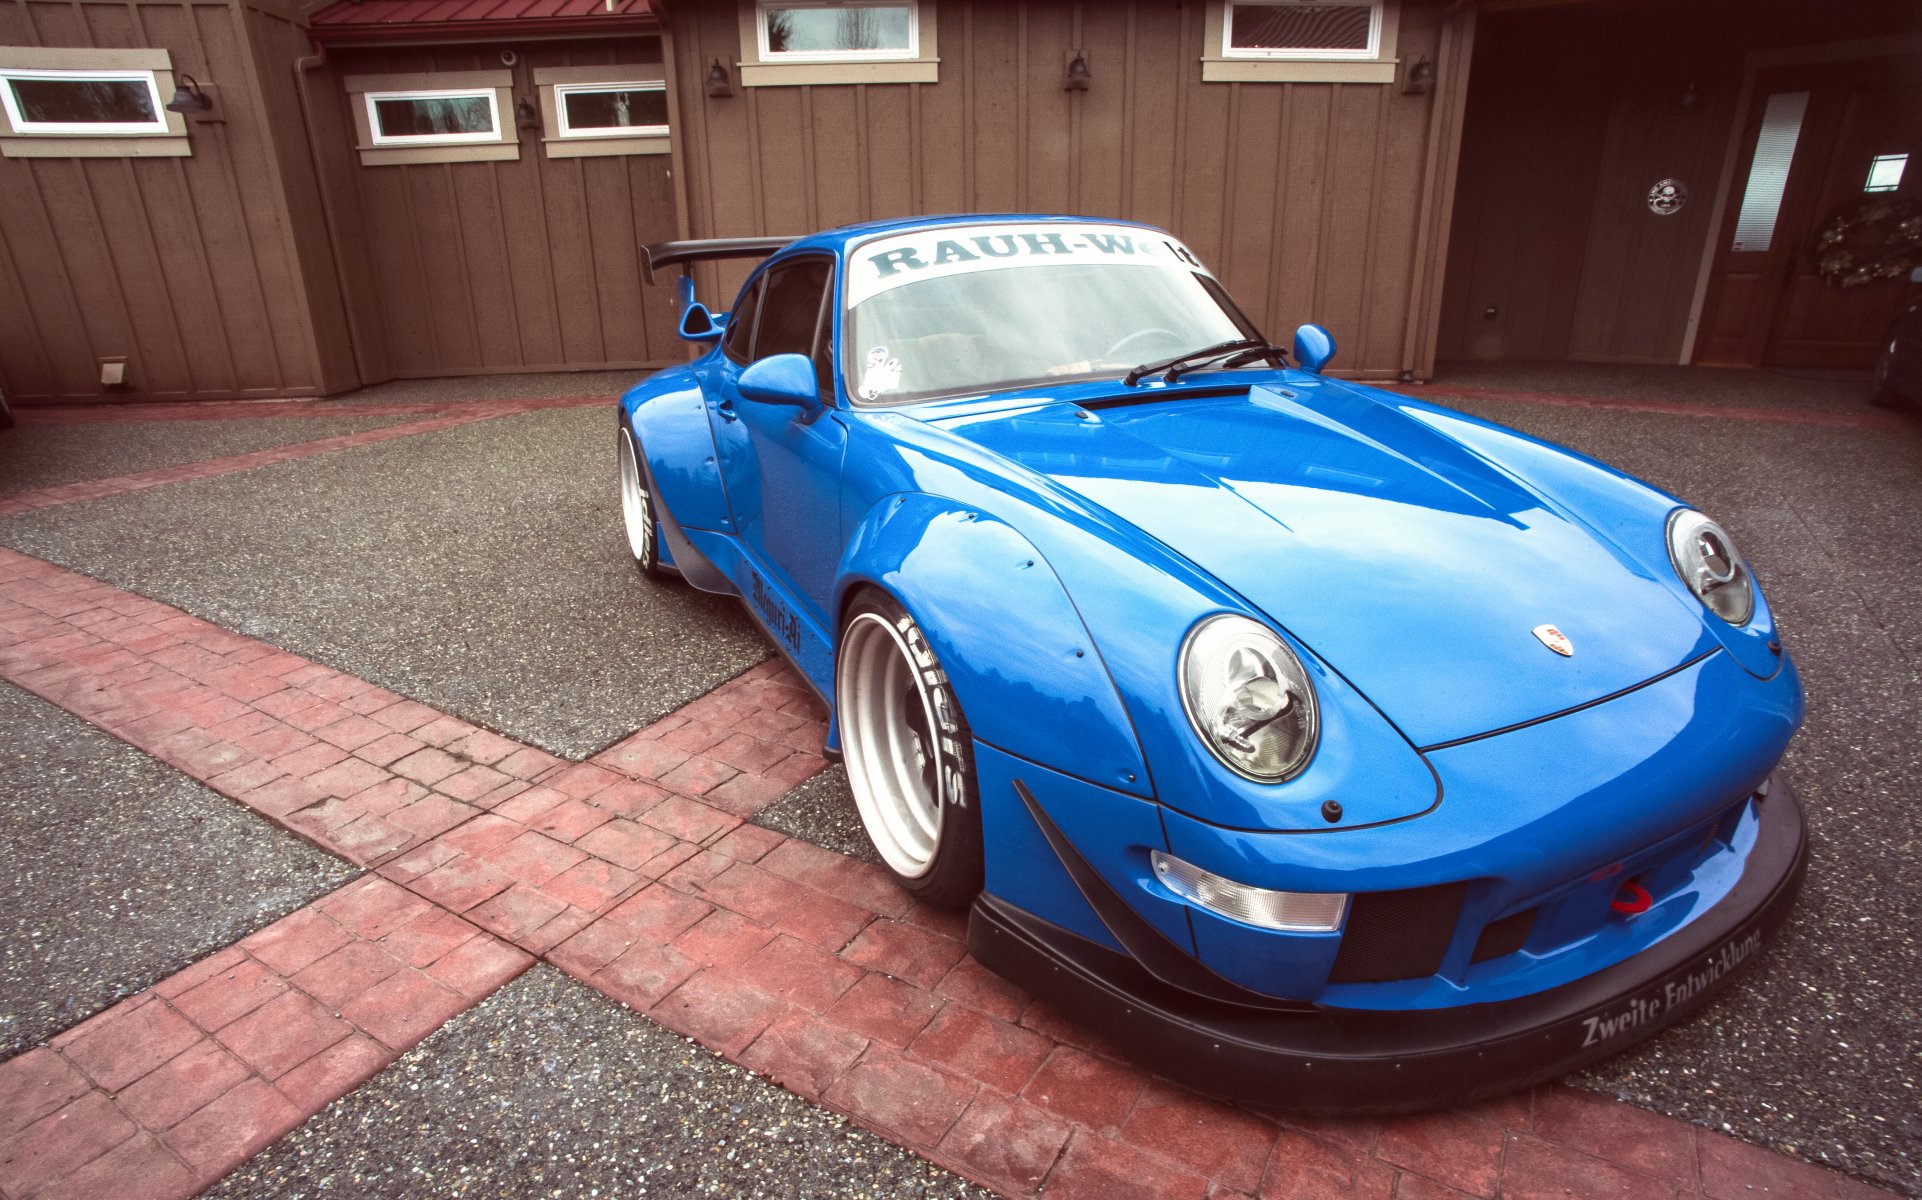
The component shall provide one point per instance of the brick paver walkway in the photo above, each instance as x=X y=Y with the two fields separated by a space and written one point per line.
x=635 y=873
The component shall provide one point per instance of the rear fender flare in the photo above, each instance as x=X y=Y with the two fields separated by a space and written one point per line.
x=1022 y=663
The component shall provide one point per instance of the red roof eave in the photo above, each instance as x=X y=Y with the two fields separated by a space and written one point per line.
x=373 y=22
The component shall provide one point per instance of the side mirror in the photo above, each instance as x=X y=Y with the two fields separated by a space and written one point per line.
x=783 y=379
x=700 y=325
x=1314 y=346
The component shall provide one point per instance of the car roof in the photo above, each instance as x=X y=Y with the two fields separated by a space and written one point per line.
x=837 y=240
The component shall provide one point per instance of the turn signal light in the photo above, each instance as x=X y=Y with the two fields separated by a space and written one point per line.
x=1292 y=912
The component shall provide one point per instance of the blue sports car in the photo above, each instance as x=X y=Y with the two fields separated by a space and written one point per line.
x=1324 y=748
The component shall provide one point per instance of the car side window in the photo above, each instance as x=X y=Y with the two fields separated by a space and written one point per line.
x=791 y=310
x=740 y=326
x=823 y=347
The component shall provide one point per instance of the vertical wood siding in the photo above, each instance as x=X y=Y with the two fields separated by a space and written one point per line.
x=186 y=266
x=527 y=265
x=1305 y=198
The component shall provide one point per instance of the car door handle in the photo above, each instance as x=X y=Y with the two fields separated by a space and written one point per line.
x=726 y=409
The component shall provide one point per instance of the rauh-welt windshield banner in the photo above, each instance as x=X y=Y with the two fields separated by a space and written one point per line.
x=963 y=249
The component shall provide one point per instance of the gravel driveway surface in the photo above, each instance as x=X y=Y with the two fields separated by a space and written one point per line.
x=120 y=870
x=35 y=456
x=479 y=569
x=1819 y=1051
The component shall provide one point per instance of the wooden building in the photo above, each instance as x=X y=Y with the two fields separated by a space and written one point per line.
x=344 y=192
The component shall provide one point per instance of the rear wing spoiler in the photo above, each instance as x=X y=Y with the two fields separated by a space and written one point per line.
x=668 y=254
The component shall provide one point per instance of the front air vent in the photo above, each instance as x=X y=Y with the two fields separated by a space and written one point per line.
x=1158 y=395
x=1505 y=936
x=1398 y=935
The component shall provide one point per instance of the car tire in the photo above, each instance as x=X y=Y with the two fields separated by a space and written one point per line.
x=909 y=754
x=642 y=527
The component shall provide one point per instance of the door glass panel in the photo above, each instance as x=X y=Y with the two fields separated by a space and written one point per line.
x=1768 y=175
x=1885 y=172
x=740 y=326
x=792 y=308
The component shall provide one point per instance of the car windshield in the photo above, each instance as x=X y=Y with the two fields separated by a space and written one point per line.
x=957 y=310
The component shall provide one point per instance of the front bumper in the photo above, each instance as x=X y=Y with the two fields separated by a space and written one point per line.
x=1335 y=1060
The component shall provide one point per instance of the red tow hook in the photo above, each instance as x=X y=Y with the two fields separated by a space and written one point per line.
x=1631 y=899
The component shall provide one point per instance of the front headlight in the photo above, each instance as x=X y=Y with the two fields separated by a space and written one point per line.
x=1710 y=566
x=1248 y=698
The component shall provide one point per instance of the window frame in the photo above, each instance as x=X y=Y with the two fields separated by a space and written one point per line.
x=1368 y=53
x=909 y=53
x=1379 y=65
x=372 y=101
x=562 y=129
x=554 y=82
x=378 y=150
x=759 y=67
x=22 y=125
x=1871 y=188
x=164 y=137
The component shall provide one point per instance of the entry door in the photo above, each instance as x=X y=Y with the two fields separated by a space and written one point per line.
x=1817 y=141
x=782 y=466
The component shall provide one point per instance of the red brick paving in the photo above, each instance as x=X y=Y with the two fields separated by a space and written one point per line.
x=170 y=1089
x=805 y=965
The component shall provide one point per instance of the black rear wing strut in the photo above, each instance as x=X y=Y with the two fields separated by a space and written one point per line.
x=667 y=254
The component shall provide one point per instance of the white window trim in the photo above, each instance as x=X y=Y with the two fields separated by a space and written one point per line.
x=560 y=141
x=1368 y=54
x=565 y=130
x=1301 y=66
x=372 y=99
x=504 y=144
x=909 y=53
x=790 y=70
x=166 y=138
x=84 y=128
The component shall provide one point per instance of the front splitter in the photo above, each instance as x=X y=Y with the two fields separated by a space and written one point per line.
x=1365 y=1061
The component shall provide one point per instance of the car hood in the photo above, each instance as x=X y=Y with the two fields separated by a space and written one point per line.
x=1405 y=560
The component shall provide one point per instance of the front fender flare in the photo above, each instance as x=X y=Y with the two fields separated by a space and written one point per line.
x=1027 y=673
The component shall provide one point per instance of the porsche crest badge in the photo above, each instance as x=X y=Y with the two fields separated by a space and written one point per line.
x=1555 y=640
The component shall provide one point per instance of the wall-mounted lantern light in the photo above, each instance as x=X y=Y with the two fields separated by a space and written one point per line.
x=719 y=82
x=525 y=116
x=1420 y=79
x=188 y=98
x=1078 y=74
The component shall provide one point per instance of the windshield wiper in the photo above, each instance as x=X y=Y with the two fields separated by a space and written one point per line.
x=1180 y=364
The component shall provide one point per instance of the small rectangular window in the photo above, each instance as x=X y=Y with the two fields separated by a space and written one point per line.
x=1885 y=172
x=83 y=103
x=611 y=109
x=1300 y=30
x=854 y=31
x=433 y=118
x=1768 y=174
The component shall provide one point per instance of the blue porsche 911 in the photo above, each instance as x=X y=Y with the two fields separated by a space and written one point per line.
x=1324 y=748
